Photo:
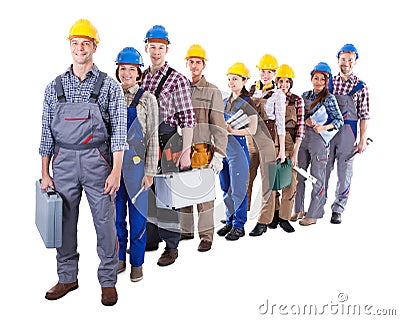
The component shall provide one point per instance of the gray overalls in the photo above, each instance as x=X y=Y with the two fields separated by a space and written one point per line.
x=313 y=150
x=82 y=161
x=342 y=147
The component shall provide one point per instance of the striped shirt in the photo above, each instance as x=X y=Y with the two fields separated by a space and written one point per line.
x=360 y=98
x=174 y=99
x=111 y=103
x=147 y=114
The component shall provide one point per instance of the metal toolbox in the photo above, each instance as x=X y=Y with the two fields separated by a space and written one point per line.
x=181 y=189
x=48 y=216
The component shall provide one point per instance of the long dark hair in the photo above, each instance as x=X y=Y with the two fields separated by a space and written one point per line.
x=321 y=97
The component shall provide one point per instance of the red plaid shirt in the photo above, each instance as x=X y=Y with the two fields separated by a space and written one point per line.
x=360 y=98
x=174 y=100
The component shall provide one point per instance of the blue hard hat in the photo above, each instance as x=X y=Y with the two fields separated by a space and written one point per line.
x=157 y=32
x=348 y=48
x=130 y=55
x=322 y=66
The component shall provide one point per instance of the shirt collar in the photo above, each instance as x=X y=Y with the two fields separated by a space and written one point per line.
x=133 y=89
x=93 y=71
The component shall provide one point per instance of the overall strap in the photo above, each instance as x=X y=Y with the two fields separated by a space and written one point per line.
x=96 y=91
x=239 y=104
x=356 y=88
x=161 y=83
x=137 y=97
x=60 y=90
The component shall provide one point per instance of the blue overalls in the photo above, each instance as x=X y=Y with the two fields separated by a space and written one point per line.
x=234 y=174
x=81 y=161
x=342 y=147
x=131 y=180
x=313 y=151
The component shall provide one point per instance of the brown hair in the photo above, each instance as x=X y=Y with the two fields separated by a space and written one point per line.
x=139 y=77
x=321 y=97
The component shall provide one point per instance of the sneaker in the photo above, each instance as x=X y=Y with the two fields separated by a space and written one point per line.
x=121 y=266
x=168 y=257
x=136 y=273
x=235 y=234
x=224 y=230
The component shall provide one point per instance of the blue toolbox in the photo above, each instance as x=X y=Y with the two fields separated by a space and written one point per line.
x=48 y=216
x=181 y=189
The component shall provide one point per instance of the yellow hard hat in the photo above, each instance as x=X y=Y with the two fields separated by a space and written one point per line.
x=268 y=62
x=240 y=69
x=83 y=27
x=196 y=50
x=285 y=71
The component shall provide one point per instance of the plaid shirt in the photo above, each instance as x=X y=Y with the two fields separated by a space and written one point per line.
x=111 y=103
x=360 y=98
x=147 y=115
x=174 y=99
x=300 y=112
x=331 y=106
x=275 y=108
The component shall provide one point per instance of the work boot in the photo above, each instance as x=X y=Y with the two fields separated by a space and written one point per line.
x=285 y=225
x=152 y=246
x=224 y=230
x=168 y=257
x=121 y=266
x=204 y=245
x=275 y=220
x=235 y=234
x=336 y=218
x=60 y=290
x=187 y=236
x=136 y=273
x=307 y=221
x=258 y=230
x=109 y=296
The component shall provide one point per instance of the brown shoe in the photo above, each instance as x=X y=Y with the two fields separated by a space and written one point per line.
x=121 y=266
x=168 y=257
x=204 y=245
x=109 y=296
x=60 y=290
x=297 y=216
x=136 y=274
x=187 y=236
x=307 y=221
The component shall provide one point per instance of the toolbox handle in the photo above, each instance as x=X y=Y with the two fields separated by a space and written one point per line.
x=50 y=191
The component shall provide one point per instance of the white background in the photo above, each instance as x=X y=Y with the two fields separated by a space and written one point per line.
x=311 y=266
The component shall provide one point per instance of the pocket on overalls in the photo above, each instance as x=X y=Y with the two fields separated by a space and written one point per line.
x=105 y=153
x=77 y=127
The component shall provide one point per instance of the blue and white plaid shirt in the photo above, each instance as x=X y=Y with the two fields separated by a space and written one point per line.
x=111 y=102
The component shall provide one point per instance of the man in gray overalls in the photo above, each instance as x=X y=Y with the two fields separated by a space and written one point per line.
x=83 y=122
x=353 y=99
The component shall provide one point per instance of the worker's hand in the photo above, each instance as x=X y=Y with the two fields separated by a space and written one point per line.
x=112 y=183
x=46 y=183
x=362 y=145
x=216 y=162
x=310 y=123
x=147 y=182
x=318 y=128
x=281 y=155
x=184 y=160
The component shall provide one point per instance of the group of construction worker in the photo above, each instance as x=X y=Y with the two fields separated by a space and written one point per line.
x=111 y=135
